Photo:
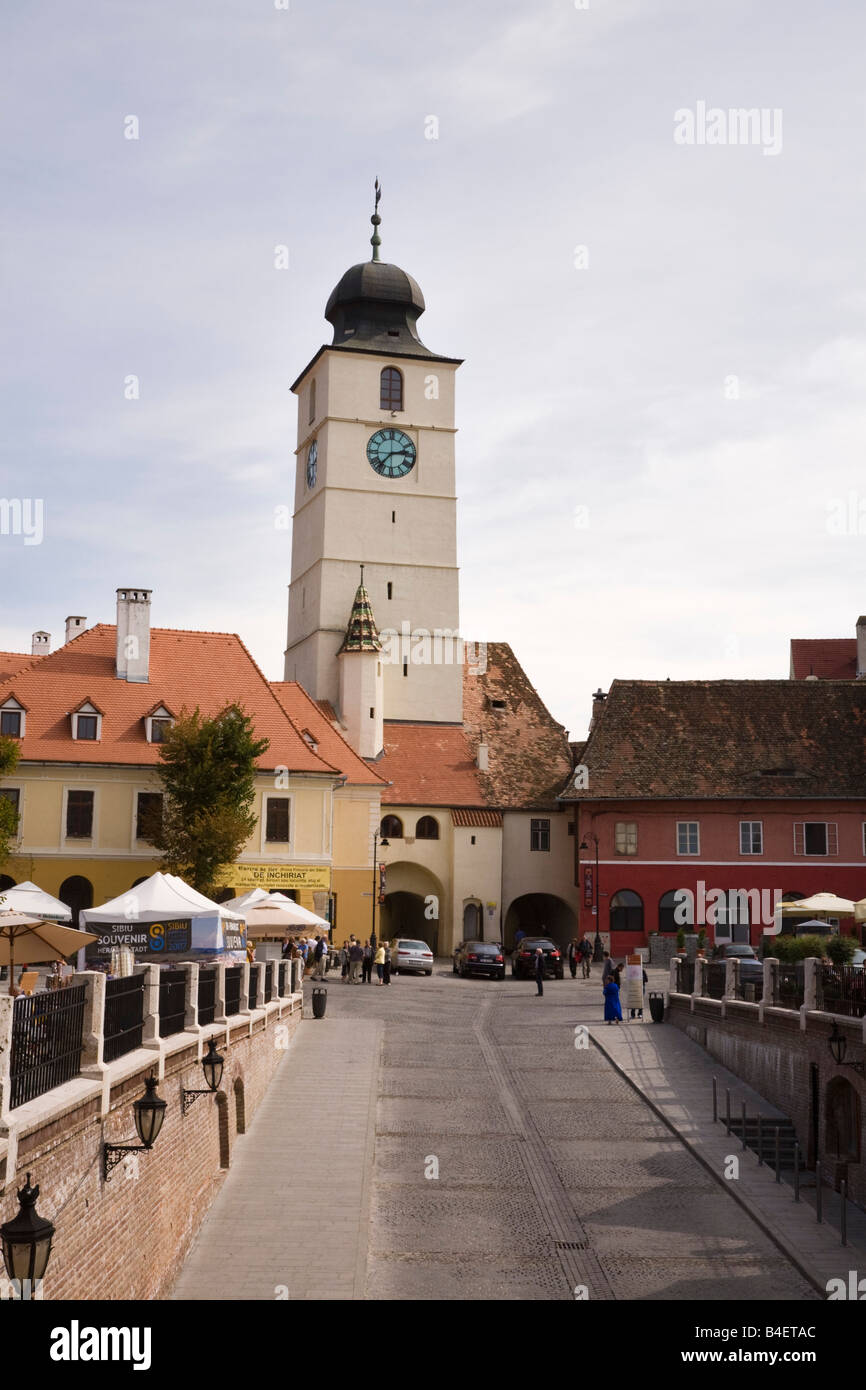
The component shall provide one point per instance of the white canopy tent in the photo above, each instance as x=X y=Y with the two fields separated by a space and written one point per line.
x=164 y=919
x=30 y=901
x=274 y=913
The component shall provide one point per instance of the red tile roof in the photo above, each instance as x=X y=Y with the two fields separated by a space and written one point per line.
x=477 y=818
x=429 y=765
x=12 y=662
x=828 y=658
x=187 y=669
x=306 y=713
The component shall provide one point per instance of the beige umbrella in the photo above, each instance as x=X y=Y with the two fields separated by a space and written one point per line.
x=819 y=905
x=33 y=938
x=860 y=910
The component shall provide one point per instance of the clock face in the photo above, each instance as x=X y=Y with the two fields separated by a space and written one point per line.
x=391 y=453
x=312 y=457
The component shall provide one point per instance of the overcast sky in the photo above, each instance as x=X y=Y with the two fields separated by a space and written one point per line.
x=661 y=451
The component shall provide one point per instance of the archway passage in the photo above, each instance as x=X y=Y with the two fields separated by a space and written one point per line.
x=540 y=914
x=413 y=906
x=77 y=893
x=406 y=915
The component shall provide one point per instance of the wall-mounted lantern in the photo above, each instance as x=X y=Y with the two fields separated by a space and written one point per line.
x=26 y=1243
x=212 y=1066
x=149 y=1115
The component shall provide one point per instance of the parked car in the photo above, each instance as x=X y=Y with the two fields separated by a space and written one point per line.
x=479 y=958
x=407 y=955
x=523 y=958
x=751 y=968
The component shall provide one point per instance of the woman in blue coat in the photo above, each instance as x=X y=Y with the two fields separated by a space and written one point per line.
x=612 y=1010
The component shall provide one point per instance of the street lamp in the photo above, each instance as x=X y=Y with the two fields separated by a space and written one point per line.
x=386 y=844
x=597 y=952
x=26 y=1243
x=212 y=1066
x=838 y=1045
x=149 y=1115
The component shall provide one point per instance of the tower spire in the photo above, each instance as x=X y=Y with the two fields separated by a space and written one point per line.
x=375 y=239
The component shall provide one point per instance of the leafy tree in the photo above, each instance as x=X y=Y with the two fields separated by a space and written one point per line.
x=841 y=949
x=208 y=774
x=9 y=753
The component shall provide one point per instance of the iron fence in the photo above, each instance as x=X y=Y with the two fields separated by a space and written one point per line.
x=686 y=976
x=47 y=1031
x=842 y=990
x=269 y=981
x=254 y=985
x=714 y=979
x=750 y=991
x=206 y=994
x=124 y=1016
x=281 y=978
x=234 y=975
x=172 y=1002
x=790 y=984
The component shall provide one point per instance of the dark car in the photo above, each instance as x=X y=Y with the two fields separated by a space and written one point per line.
x=751 y=969
x=479 y=958
x=523 y=958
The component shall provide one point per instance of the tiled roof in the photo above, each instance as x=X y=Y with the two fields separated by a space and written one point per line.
x=429 y=765
x=828 y=658
x=477 y=818
x=529 y=756
x=12 y=662
x=328 y=711
x=306 y=713
x=187 y=669
x=362 y=635
x=723 y=739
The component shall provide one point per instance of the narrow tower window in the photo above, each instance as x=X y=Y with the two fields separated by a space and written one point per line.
x=390 y=589
x=312 y=401
x=391 y=389
x=405 y=667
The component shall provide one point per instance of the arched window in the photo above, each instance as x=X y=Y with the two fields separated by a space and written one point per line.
x=391 y=389
x=667 y=907
x=312 y=401
x=427 y=828
x=391 y=828
x=842 y=1128
x=626 y=911
x=77 y=893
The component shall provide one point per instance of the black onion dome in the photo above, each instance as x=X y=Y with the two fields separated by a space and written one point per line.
x=376 y=306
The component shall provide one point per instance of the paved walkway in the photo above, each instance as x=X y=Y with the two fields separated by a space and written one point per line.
x=675 y=1076
x=266 y=1235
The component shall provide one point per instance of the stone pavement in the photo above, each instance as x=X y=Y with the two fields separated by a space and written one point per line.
x=674 y=1075
x=291 y=1218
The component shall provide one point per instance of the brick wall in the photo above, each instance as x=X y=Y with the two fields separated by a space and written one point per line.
x=127 y=1237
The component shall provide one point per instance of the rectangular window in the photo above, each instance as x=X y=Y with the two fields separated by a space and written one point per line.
x=79 y=815
x=148 y=816
x=751 y=837
x=539 y=834
x=86 y=726
x=12 y=794
x=277 y=819
x=158 y=730
x=10 y=723
x=815 y=837
x=688 y=838
x=625 y=837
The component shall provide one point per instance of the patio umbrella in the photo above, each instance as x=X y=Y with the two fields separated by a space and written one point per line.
x=819 y=905
x=31 y=901
x=274 y=912
x=860 y=910
x=32 y=938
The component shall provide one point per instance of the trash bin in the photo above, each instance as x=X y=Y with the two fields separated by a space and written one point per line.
x=320 y=1001
x=657 y=1006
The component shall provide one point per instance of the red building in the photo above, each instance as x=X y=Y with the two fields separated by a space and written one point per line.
x=737 y=791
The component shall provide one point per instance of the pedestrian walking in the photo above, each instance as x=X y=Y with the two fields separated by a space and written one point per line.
x=573 y=954
x=586 y=957
x=344 y=961
x=607 y=969
x=356 y=956
x=321 y=956
x=612 y=1010
x=380 y=964
x=367 y=964
x=386 y=965
x=539 y=970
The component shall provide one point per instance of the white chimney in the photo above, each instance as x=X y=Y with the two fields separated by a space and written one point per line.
x=74 y=625
x=861 y=647
x=40 y=643
x=133 y=635
x=483 y=757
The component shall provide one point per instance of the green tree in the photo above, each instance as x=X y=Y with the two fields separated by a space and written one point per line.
x=208 y=773
x=9 y=752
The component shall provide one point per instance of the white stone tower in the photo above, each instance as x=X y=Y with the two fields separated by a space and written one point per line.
x=375 y=485
x=361 y=678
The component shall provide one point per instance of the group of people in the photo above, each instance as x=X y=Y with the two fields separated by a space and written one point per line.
x=610 y=980
x=579 y=953
x=356 y=959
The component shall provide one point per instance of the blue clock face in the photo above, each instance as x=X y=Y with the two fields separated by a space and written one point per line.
x=391 y=453
x=312 y=458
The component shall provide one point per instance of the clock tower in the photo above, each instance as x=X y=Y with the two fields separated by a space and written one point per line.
x=375 y=486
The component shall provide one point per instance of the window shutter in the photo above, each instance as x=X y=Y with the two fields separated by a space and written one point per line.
x=832 y=838
x=799 y=837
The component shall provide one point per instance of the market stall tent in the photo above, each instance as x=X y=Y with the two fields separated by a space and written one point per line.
x=164 y=919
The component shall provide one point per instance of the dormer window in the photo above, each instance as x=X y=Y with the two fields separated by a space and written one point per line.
x=87 y=723
x=12 y=718
x=310 y=740
x=158 y=723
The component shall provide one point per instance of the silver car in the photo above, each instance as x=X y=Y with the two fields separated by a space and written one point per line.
x=408 y=955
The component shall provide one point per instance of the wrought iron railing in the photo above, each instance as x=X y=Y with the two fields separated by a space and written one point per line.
x=269 y=981
x=282 y=982
x=172 y=1002
x=790 y=984
x=714 y=979
x=206 y=994
x=686 y=976
x=124 y=1016
x=751 y=991
x=842 y=990
x=234 y=974
x=47 y=1033
x=254 y=985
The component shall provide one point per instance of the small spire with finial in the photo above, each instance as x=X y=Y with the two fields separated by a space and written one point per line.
x=375 y=239
x=362 y=576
